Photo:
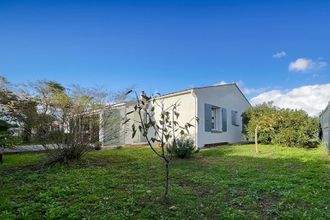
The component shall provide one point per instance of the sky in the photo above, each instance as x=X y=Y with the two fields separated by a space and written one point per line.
x=275 y=50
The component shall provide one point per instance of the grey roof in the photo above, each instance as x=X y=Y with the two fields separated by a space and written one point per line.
x=190 y=89
x=206 y=87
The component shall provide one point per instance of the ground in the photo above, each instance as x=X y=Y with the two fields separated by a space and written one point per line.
x=222 y=182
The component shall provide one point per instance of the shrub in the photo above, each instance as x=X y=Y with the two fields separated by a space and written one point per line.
x=97 y=145
x=291 y=128
x=297 y=130
x=183 y=148
x=66 y=153
x=7 y=140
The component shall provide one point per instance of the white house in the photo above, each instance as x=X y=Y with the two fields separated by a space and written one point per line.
x=219 y=109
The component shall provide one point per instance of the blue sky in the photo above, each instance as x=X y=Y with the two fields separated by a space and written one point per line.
x=167 y=46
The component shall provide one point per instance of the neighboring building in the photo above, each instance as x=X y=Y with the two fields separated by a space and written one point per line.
x=219 y=109
x=325 y=124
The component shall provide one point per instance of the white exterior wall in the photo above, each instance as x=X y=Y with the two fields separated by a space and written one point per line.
x=192 y=104
x=226 y=96
x=186 y=109
x=325 y=124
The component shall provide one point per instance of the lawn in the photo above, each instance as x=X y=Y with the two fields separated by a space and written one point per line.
x=222 y=182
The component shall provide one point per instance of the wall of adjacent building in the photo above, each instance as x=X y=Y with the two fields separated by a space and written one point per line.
x=325 y=124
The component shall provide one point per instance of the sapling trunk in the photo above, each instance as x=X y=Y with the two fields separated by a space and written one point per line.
x=256 y=139
x=1 y=155
x=166 y=180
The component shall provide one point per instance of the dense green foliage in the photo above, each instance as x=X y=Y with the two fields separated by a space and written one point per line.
x=8 y=140
x=291 y=128
x=228 y=182
x=183 y=148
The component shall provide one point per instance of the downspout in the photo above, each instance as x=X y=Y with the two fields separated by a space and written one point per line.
x=196 y=115
x=101 y=127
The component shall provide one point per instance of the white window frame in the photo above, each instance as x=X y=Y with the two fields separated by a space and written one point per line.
x=216 y=118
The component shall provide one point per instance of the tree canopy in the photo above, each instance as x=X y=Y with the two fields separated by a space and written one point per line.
x=291 y=128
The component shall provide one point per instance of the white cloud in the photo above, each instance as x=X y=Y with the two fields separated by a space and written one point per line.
x=306 y=65
x=313 y=98
x=221 y=83
x=245 y=90
x=279 y=54
x=249 y=91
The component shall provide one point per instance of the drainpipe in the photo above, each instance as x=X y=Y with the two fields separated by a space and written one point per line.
x=101 y=127
x=196 y=114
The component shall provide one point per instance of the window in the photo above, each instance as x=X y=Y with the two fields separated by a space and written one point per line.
x=234 y=118
x=214 y=118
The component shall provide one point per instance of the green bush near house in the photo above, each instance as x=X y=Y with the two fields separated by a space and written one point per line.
x=292 y=128
x=183 y=148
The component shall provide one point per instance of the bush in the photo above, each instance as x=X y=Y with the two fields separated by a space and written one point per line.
x=8 y=140
x=297 y=130
x=66 y=153
x=97 y=145
x=183 y=148
x=291 y=128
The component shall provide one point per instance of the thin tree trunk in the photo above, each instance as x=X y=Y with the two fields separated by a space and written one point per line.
x=1 y=154
x=166 y=180
x=256 y=139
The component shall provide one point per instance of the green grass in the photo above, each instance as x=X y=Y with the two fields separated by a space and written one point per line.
x=224 y=182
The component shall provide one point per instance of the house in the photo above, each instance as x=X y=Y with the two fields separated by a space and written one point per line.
x=325 y=125
x=218 y=108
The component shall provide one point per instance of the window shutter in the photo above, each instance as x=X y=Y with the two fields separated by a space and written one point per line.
x=224 y=119
x=208 y=117
x=233 y=117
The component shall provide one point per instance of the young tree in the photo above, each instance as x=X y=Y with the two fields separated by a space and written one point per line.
x=265 y=123
x=163 y=131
